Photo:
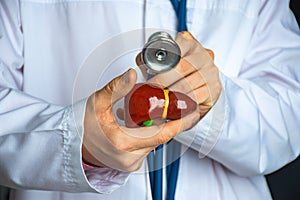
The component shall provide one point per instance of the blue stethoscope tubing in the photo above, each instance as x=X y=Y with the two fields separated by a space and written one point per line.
x=155 y=158
x=180 y=8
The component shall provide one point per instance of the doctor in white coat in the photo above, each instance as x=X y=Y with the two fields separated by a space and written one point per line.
x=51 y=143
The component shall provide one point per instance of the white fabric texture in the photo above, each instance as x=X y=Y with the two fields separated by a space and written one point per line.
x=250 y=132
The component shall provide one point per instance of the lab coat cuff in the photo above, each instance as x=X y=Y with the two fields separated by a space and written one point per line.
x=206 y=133
x=100 y=180
x=72 y=127
x=211 y=126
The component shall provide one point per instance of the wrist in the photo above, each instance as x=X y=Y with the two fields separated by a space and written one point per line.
x=88 y=160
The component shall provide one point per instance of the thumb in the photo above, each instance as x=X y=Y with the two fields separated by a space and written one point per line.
x=116 y=89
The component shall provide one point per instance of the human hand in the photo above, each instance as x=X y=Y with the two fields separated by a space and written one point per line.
x=106 y=143
x=196 y=74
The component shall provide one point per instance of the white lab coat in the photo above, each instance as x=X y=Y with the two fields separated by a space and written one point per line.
x=253 y=129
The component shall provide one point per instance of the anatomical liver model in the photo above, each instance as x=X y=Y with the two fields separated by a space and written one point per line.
x=148 y=102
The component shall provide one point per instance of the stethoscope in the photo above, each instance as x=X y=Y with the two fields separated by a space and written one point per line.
x=160 y=54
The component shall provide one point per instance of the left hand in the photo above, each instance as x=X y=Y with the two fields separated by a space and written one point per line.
x=196 y=74
x=108 y=144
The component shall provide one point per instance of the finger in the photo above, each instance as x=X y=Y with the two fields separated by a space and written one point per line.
x=189 y=83
x=186 y=42
x=115 y=89
x=135 y=162
x=142 y=66
x=156 y=135
x=169 y=77
x=173 y=128
x=121 y=114
x=138 y=59
x=136 y=165
x=145 y=150
x=210 y=53
x=200 y=95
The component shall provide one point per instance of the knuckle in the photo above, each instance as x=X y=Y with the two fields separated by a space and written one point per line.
x=126 y=164
x=214 y=70
x=134 y=168
x=210 y=53
x=119 y=143
x=165 y=136
x=109 y=88
x=184 y=67
x=161 y=140
x=130 y=165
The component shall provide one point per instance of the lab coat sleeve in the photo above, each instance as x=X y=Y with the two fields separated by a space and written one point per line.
x=254 y=126
x=40 y=143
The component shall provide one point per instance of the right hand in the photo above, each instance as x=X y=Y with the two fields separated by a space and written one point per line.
x=108 y=144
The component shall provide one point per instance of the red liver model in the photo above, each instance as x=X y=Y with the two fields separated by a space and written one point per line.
x=148 y=102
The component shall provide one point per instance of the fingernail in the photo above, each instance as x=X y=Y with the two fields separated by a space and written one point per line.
x=187 y=34
x=125 y=77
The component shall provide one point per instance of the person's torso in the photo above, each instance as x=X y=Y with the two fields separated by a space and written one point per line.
x=60 y=36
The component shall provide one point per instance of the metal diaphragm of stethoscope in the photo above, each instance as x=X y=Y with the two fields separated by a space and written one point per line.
x=161 y=53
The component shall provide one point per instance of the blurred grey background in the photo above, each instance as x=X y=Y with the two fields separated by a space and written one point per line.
x=285 y=183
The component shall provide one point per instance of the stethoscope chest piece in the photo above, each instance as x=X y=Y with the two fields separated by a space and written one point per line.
x=161 y=53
